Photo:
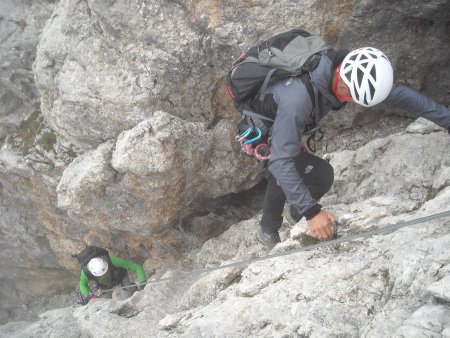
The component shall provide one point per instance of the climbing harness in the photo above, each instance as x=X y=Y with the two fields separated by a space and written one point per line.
x=385 y=230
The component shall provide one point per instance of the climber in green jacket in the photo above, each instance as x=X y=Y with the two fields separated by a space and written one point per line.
x=110 y=272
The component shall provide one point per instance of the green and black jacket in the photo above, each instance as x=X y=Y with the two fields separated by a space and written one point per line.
x=120 y=266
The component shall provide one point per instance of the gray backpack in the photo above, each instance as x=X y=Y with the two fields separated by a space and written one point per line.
x=291 y=51
x=294 y=53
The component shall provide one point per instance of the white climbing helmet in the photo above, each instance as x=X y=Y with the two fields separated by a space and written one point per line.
x=97 y=266
x=369 y=75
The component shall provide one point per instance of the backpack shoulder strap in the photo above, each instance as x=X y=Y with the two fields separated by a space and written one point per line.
x=312 y=90
x=265 y=84
x=313 y=94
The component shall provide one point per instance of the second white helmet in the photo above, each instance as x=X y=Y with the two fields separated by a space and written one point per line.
x=97 y=266
x=369 y=75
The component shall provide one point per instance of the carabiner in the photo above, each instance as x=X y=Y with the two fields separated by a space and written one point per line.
x=257 y=137
x=241 y=137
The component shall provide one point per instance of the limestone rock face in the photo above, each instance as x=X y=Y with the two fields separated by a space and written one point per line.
x=153 y=175
x=20 y=27
x=401 y=176
x=392 y=284
x=116 y=129
x=101 y=68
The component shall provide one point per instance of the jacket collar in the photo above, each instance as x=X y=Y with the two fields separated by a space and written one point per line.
x=321 y=77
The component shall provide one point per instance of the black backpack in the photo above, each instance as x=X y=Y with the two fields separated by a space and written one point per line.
x=90 y=252
x=294 y=53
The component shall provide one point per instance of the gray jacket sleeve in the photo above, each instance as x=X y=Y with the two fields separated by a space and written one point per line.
x=408 y=99
x=294 y=107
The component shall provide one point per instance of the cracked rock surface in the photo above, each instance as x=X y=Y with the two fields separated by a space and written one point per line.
x=116 y=129
x=390 y=284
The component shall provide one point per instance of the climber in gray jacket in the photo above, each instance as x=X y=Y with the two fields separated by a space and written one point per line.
x=364 y=76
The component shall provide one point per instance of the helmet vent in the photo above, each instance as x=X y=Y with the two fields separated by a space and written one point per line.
x=355 y=91
x=360 y=76
x=373 y=73
x=371 y=89
x=348 y=76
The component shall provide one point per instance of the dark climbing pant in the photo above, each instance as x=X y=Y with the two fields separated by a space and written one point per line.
x=318 y=180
